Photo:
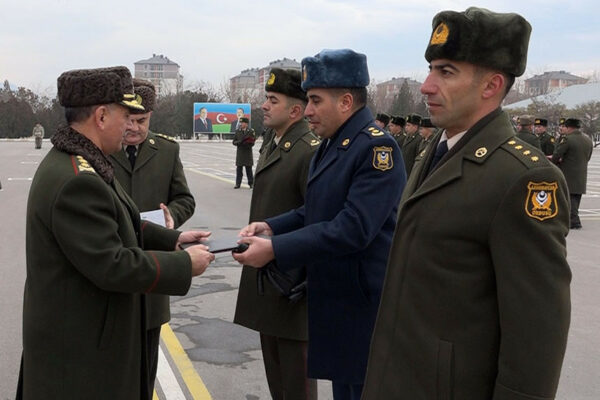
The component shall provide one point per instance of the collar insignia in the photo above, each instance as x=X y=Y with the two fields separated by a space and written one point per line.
x=480 y=152
x=287 y=145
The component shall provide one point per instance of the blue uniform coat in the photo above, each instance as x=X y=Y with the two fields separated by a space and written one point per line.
x=343 y=234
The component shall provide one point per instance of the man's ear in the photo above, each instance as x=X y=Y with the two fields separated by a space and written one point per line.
x=100 y=115
x=295 y=111
x=346 y=102
x=494 y=84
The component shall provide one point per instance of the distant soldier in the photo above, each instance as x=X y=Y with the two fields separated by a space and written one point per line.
x=525 y=131
x=38 y=134
x=546 y=140
x=427 y=130
x=244 y=139
x=396 y=128
x=410 y=147
x=572 y=153
x=382 y=120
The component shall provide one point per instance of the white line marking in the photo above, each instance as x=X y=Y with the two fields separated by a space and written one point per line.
x=168 y=382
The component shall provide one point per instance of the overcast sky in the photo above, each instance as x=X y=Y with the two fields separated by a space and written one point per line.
x=214 y=40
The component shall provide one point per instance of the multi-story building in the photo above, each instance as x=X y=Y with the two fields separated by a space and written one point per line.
x=250 y=83
x=386 y=91
x=162 y=72
x=551 y=80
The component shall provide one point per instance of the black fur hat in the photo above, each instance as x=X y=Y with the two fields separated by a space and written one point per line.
x=285 y=81
x=343 y=68
x=481 y=37
x=399 y=121
x=88 y=87
x=426 y=123
x=573 y=123
x=145 y=94
x=414 y=119
x=383 y=117
x=541 y=122
x=244 y=119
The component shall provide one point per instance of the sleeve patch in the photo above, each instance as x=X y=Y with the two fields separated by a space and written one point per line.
x=382 y=158
x=540 y=202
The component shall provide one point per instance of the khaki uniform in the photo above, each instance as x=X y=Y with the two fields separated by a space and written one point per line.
x=470 y=310
x=546 y=143
x=83 y=312
x=410 y=150
x=529 y=137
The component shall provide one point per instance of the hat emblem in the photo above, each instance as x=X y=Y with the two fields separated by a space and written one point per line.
x=138 y=98
x=440 y=34
x=271 y=79
x=304 y=74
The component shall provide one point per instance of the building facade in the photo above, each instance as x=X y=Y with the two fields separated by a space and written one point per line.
x=249 y=84
x=387 y=91
x=549 y=81
x=162 y=72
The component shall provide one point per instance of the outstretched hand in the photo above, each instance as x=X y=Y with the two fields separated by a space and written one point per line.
x=258 y=254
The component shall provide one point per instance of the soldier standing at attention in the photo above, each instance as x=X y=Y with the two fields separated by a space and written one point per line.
x=525 y=131
x=470 y=310
x=88 y=264
x=572 y=154
x=396 y=128
x=382 y=120
x=244 y=139
x=540 y=127
x=150 y=171
x=427 y=133
x=280 y=186
x=38 y=134
x=410 y=147
x=343 y=231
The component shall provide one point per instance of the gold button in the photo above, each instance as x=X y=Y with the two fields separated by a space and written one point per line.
x=345 y=142
x=480 y=152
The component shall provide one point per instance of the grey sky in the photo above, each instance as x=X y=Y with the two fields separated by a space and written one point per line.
x=214 y=40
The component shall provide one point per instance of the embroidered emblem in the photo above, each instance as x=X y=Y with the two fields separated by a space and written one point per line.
x=287 y=145
x=382 y=158
x=541 y=200
x=345 y=142
x=440 y=34
x=83 y=165
x=138 y=98
x=512 y=142
x=271 y=79
x=151 y=141
x=480 y=152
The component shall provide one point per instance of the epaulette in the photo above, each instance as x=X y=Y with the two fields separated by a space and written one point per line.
x=166 y=137
x=83 y=165
x=373 y=131
x=524 y=153
x=311 y=140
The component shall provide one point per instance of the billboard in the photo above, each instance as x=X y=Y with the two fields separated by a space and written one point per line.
x=218 y=117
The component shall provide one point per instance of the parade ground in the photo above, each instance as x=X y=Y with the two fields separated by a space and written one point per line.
x=203 y=355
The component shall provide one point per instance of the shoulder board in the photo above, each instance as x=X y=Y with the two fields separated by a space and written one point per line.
x=166 y=137
x=374 y=131
x=83 y=165
x=311 y=140
x=525 y=153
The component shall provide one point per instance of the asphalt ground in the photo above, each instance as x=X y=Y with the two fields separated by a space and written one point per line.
x=203 y=354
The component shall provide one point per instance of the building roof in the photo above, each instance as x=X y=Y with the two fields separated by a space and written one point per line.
x=285 y=63
x=562 y=75
x=157 y=59
x=399 y=81
x=571 y=96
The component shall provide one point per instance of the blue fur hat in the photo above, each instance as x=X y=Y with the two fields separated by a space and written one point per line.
x=342 y=68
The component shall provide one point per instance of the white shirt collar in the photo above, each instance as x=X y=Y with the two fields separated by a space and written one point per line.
x=453 y=140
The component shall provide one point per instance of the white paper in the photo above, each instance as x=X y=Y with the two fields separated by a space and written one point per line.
x=156 y=216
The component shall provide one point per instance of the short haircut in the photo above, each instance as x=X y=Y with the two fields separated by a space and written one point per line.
x=509 y=79
x=359 y=95
x=78 y=114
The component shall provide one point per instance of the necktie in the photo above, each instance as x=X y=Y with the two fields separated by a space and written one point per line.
x=442 y=148
x=131 y=150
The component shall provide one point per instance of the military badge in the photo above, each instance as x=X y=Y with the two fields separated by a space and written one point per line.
x=287 y=145
x=151 y=141
x=83 y=165
x=271 y=79
x=314 y=142
x=345 y=142
x=382 y=158
x=440 y=34
x=480 y=152
x=541 y=200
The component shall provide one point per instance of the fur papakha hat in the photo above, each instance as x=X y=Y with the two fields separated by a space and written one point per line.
x=245 y=119
x=145 y=93
x=481 y=37
x=398 y=121
x=342 y=68
x=426 y=123
x=383 y=117
x=572 y=123
x=414 y=119
x=285 y=81
x=525 y=120
x=89 y=87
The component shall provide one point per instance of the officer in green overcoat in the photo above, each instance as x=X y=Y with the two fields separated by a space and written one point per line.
x=279 y=186
x=525 y=131
x=572 y=155
x=89 y=258
x=396 y=127
x=471 y=310
x=540 y=128
x=244 y=139
x=412 y=141
x=150 y=171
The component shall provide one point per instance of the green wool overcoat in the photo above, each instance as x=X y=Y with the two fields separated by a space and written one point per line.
x=572 y=154
x=83 y=318
x=410 y=150
x=279 y=186
x=530 y=138
x=546 y=143
x=471 y=308
x=157 y=177
x=244 y=141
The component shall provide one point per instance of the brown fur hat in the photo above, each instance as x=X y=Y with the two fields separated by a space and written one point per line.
x=481 y=37
x=89 y=87
x=146 y=92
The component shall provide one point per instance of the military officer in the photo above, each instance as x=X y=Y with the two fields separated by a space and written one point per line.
x=427 y=133
x=382 y=120
x=150 y=171
x=572 y=155
x=410 y=146
x=343 y=231
x=396 y=128
x=540 y=127
x=280 y=186
x=244 y=139
x=83 y=313
x=470 y=310
x=38 y=134
x=525 y=131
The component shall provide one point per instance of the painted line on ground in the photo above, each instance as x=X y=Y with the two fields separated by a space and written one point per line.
x=231 y=181
x=167 y=379
x=191 y=378
x=20 y=179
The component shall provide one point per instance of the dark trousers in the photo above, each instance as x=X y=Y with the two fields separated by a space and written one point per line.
x=575 y=200
x=152 y=343
x=238 y=175
x=346 y=391
x=285 y=366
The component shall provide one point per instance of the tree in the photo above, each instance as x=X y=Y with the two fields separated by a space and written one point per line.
x=403 y=103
